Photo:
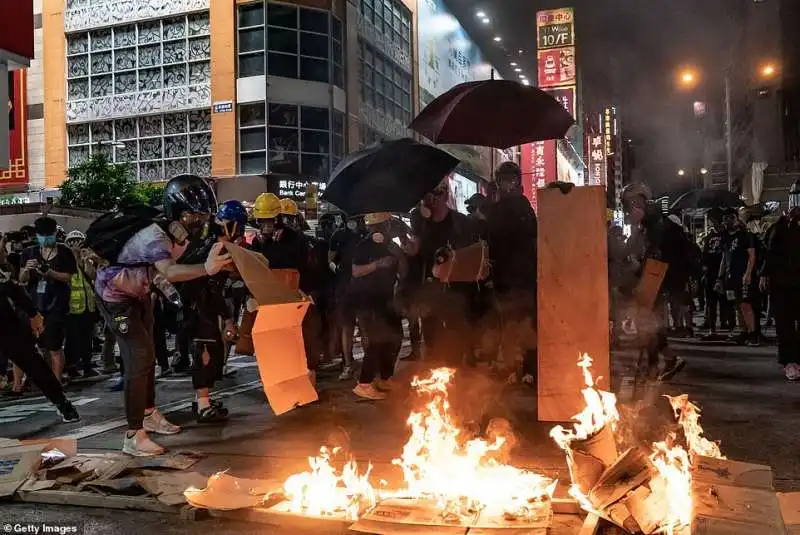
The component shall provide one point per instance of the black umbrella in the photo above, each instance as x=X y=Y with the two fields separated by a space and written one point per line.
x=388 y=177
x=493 y=113
x=706 y=198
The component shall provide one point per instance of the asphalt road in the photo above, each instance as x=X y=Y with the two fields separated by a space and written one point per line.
x=747 y=405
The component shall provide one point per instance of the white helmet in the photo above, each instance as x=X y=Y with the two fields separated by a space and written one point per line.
x=76 y=235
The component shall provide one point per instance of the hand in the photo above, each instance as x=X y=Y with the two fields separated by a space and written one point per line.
x=763 y=284
x=216 y=260
x=231 y=331
x=251 y=305
x=385 y=262
x=37 y=324
x=746 y=280
x=31 y=264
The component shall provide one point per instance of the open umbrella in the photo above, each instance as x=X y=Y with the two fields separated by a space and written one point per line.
x=392 y=176
x=493 y=113
x=706 y=198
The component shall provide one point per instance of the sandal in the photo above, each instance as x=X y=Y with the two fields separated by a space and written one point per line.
x=212 y=414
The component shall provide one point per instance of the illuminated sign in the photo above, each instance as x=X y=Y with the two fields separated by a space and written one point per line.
x=565 y=96
x=609 y=129
x=556 y=67
x=555 y=28
x=597 y=160
x=539 y=167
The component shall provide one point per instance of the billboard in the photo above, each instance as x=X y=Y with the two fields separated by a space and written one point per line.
x=566 y=97
x=539 y=166
x=556 y=67
x=447 y=56
x=15 y=171
x=17 y=33
x=555 y=28
x=597 y=160
x=609 y=129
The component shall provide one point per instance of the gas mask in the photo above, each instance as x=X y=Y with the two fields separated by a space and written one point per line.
x=352 y=225
x=196 y=224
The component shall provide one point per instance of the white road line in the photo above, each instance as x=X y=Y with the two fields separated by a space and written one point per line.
x=11 y=420
x=96 y=429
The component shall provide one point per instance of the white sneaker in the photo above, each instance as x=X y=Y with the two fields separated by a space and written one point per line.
x=792 y=371
x=367 y=391
x=156 y=423
x=383 y=385
x=347 y=373
x=140 y=445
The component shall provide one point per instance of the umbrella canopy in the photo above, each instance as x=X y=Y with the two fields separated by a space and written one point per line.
x=706 y=198
x=388 y=177
x=493 y=113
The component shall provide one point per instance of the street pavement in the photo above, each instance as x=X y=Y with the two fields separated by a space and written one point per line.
x=746 y=404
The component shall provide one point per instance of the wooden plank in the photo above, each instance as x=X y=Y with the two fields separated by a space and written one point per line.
x=591 y=526
x=565 y=506
x=572 y=297
x=89 y=499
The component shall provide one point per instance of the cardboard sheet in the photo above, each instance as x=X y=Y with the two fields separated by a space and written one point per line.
x=168 y=487
x=572 y=297
x=728 y=472
x=277 y=332
x=225 y=493
x=649 y=285
x=790 y=510
x=729 y=510
x=17 y=463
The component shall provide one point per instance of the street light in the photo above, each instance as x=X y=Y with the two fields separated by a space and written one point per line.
x=703 y=171
x=687 y=78
x=681 y=172
x=768 y=70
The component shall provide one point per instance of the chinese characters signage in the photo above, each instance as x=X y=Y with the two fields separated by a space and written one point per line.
x=609 y=129
x=538 y=165
x=556 y=67
x=565 y=96
x=15 y=171
x=555 y=28
x=597 y=160
x=294 y=188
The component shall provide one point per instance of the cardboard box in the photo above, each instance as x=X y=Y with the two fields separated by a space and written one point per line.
x=727 y=472
x=17 y=463
x=730 y=510
x=790 y=511
x=277 y=333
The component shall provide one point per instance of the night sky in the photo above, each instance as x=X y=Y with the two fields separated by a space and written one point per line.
x=628 y=53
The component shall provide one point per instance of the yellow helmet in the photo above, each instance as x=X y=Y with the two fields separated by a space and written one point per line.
x=267 y=206
x=288 y=207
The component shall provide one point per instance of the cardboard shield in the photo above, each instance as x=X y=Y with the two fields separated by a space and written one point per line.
x=277 y=332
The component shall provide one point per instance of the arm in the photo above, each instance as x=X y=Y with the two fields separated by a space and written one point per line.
x=751 y=264
x=58 y=276
x=21 y=299
x=364 y=270
x=180 y=272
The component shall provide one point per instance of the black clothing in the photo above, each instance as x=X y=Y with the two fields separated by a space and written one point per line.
x=782 y=255
x=377 y=288
x=79 y=340
x=49 y=295
x=784 y=304
x=712 y=254
x=455 y=231
x=290 y=251
x=512 y=232
x=736 y=247
x=382 y=336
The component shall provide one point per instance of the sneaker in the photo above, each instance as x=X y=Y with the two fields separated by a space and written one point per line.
x=117 y=385
x=672 y=369
x=792 y=371
x=110 y=369
x=164 y=372
x=140 y=445
x=214 y=403
x=383 y=385
x=347 y=373
x=68 y=413
x=367 y=391
x=156 y=423
x=90 y=372
x=212 y=414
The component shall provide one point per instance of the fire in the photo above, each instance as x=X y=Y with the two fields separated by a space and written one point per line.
x=324 y=491
x=688 y=416
x=673 y=482
x=600 y=410
x=462 y=476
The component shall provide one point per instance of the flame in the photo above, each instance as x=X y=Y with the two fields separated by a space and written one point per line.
x=688 y=416
x=324 y=491
x=600 y=410
x=461 y=476
x=673 y=483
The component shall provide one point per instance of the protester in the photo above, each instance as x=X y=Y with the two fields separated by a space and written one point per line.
x=189 y=202
x=780 y=278
x=737 y=274
x=712 y=259
x=47 y=270
x=376 y=266
x=82 y=314
x=340 y=255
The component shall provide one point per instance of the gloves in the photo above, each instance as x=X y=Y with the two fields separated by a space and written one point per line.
x=252 y=305
x=216 y=260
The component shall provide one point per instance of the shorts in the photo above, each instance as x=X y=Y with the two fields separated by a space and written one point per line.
x=743 y=295
x=55 y=332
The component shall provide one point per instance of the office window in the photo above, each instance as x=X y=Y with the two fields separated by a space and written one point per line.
x=146 y=56
x=290 y=139
x=385 y=86
x=157 y=147
x=284 y=40
x=392 y=19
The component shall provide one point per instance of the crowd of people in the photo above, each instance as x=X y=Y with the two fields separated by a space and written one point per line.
x=141 y=273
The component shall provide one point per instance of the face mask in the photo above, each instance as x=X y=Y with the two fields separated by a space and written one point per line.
x=378 y=237
x=46 y=241
x=352 y=225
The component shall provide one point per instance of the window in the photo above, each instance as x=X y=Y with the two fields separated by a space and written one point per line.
x=292 y=42
x=147 y=56
x=390 y=18
x=157 y=147
x=291 y=139
x=385 y=86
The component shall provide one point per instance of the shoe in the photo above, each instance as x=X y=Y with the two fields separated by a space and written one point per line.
x=140 y=445
x=792 y=371
x=72 y=373
x=347 y=373
x=181 y=368
x=672 y=369
x=367 y=391
x=156 y=423
x=117 y=385
x=90 y=372
x=383 y=385
x=164 y=372
x=68 y=413
x=753 y=342
x=214 y=403
x=110 y=369
x=11 y=393
x=212 y=414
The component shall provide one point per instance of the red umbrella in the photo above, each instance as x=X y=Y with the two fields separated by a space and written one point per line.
x=493 y=113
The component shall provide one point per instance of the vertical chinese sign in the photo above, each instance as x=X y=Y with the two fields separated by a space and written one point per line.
x=610 y=129
x=538 y=165
x=597 y=160
x=15 y=172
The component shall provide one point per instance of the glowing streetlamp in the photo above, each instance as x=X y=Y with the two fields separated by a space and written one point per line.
x=681 y=172
x=703 y=171
x=768 y=70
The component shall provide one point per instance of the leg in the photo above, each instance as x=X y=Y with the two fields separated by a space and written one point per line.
x=72 y=344
x=391 y=346
x=371 y=365
x=712 y=302
x=109 y=342
x=160 y=337
x=784 y=308
x=52 y=341
x=21 y=350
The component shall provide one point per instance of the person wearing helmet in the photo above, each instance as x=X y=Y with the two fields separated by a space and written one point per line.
x=82 y=313
x=231 y=219
x=149 y=258
x=265 y=212
x=780 y=276
x=75 y=239
x=654 y=236
x=290 y=214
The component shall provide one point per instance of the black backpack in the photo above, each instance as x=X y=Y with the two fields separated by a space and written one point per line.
x=109 y=233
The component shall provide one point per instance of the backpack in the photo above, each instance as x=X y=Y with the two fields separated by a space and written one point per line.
x=109 y=233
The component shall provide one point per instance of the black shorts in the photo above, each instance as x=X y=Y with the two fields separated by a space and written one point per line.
x=55 y=331
x=744 y=295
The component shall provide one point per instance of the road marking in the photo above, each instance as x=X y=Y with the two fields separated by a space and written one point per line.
x=102 y=427
x=15 y=413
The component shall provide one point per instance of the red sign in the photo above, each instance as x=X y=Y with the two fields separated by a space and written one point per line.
x=597 y=160
x=539 y=167
x=16 y=28
x=556 y=67
x=16 y=173
x=565 y=96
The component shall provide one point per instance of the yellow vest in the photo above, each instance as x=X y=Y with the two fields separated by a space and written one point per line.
x=81 y=298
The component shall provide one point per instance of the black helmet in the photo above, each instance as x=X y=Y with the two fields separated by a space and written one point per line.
x=188 y=193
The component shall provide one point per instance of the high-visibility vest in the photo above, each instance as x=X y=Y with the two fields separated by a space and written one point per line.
x=81 y=298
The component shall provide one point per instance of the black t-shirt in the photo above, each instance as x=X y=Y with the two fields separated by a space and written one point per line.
x=736 y=254
x=456 y=231
x=512 y=231
x=291 y=251
x=49 y=295
x=712 y=253
x=377 y=288
x=342 y=245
